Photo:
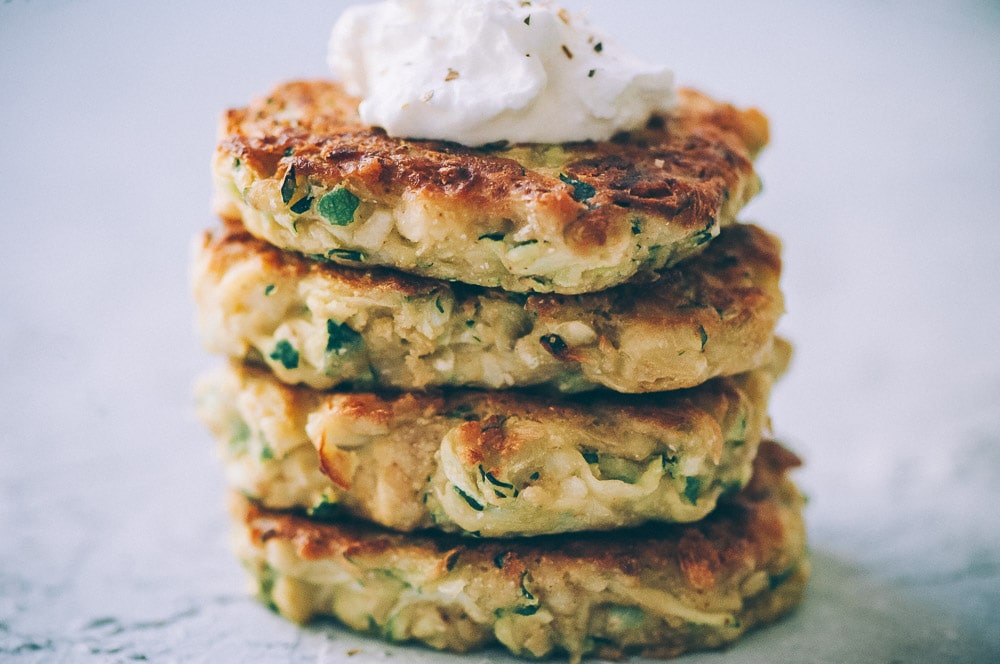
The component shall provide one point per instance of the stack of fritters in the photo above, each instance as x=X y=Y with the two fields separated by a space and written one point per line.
x=514 y=393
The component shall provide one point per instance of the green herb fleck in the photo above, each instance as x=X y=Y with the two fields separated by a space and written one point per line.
x=347 y=255
x=451 y=559
x=339 y=337
x=302 y=205
x=285 y=353
x=636 y=225
x=239 y=434
x=266 y=453
x=289 y=152
x=705 y=234
x=288 y=185
x=535 y=475
x=692 y=487
x=338 y=206
x=496 y=237
x=704 y=336
x=268 y=289
x=236 y=162
x=670 y=465
x=526 y=610
x=437 y=303
x=581 y=190
x=326 y=511
x=778 y=579
x=491 y=478
x=590 y=457
x=469 y=499
x=500 y=559
x=524 y=589
x=731 y=488
x=598 y=47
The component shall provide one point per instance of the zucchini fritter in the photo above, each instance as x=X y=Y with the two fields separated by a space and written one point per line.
x=659 y=590
x=326 y=325
x=492 y=464
x=303 y=173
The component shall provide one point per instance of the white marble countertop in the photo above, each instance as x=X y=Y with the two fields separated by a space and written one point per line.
x=882 y=178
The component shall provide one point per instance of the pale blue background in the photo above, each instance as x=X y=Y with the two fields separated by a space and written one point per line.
x=882 y=178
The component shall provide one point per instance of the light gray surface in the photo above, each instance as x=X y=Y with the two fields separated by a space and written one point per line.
x=882 y=178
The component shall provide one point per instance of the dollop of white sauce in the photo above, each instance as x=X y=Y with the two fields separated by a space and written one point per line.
x=483 y=71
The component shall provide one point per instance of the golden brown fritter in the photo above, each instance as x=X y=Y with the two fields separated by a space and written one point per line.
x=302 y=172
x=659 y=590
x=495 y=464
x=326 y=325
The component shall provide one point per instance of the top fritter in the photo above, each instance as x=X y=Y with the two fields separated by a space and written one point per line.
x=304 y=173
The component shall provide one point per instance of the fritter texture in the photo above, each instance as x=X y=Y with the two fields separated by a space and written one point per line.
x=326 y=325
x=659 y=590
x=303 y=173
x=492 y=464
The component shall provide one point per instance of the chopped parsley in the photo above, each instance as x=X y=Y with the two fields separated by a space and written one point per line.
x=268 y=289
x=704 y=336
x=288 y=185
x=705 y=235
x=473 y=503
x=491 y=478
x=325 y=511
x=302 y=205
x=339 y=337
x=451 y=559
x=529 y=610
x=776 y=580
x=692 y=487
x=338 y=206
x=346 y=255
x=581 y=190
x=524 y=589
x=285 y=353
x=670 y=465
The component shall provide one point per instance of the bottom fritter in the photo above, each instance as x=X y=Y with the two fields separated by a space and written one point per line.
x=659 y=590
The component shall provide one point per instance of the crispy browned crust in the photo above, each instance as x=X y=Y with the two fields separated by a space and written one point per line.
x=682 y=167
